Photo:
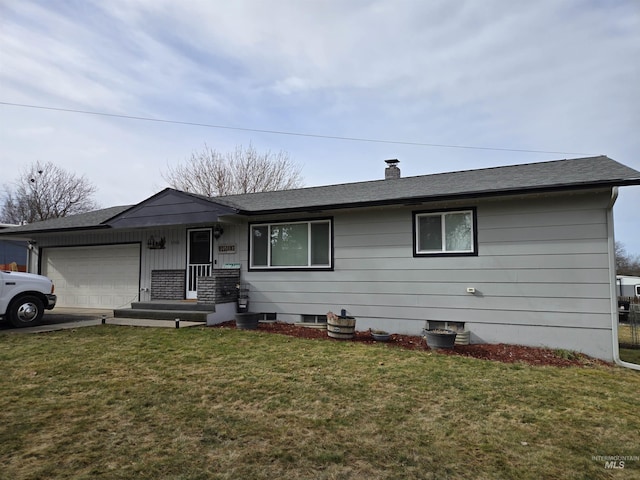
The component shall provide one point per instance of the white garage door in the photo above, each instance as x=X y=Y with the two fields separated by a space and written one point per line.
x=106 y=276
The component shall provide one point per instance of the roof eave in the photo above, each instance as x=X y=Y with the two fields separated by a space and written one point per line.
x=53 y=230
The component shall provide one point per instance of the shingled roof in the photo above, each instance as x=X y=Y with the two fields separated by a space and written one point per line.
x=557 y=175
x=543 y=176
x=92 y=219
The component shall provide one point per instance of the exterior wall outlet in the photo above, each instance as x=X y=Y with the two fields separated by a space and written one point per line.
x=471 y=290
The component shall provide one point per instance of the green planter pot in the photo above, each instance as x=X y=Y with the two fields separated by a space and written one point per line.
x=463 y=338
x=381 y=336
x=440 y=338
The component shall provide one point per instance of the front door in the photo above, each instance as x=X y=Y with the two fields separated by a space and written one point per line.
x=199 y=249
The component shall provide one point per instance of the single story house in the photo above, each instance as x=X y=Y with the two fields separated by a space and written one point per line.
x=520 y=254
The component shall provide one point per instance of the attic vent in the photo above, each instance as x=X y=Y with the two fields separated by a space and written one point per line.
x=392 y=170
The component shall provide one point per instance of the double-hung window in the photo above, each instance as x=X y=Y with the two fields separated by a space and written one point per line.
x=291 y=245
x=449 y=232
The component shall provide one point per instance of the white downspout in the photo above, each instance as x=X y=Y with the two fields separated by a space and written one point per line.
x=612 y=284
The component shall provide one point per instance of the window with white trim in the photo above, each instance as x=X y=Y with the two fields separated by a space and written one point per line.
x=291 y=245
x=450 y=232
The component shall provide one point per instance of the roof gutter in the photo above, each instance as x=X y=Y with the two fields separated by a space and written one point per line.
x=51 y=230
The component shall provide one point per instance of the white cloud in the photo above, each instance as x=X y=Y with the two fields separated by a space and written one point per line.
x=542 y=75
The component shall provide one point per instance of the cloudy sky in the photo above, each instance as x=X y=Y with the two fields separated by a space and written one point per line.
x=441 y=85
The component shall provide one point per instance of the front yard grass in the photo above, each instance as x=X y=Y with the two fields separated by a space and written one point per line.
x=115 y=402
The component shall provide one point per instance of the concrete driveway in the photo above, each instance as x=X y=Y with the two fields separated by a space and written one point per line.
x=65 y=318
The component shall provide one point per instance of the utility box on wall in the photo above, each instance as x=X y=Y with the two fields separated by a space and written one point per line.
x=243 y=297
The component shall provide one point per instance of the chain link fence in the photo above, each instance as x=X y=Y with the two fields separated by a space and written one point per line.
x=629 y=321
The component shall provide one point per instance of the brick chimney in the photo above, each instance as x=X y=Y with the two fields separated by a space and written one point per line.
x=392 y=170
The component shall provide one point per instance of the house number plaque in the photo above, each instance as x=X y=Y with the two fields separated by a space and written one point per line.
x=227 y=248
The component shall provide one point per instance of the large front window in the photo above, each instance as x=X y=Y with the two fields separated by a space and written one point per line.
x=445 y=233
x=291 y=245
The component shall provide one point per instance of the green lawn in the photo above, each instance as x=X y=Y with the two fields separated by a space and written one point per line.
x=114 y=402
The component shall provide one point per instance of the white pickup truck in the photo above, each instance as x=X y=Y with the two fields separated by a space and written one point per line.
x=24 y=297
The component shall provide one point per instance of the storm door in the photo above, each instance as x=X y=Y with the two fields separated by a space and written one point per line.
x=199 y=250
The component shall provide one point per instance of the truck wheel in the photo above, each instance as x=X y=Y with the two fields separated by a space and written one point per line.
x=26 y=310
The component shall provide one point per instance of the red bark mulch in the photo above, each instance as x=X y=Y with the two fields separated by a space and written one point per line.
x=498 y=352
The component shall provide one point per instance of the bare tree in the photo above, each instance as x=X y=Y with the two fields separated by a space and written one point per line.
x=626 y=264
x=44 y=191
x=243 y=170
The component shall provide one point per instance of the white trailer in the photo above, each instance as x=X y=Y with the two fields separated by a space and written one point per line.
x=627 y=286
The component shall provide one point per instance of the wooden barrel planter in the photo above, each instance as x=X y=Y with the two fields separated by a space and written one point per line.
x=440 y=338
x=341 y=328
x=247 y=321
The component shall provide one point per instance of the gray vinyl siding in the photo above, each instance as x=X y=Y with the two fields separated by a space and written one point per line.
x=541 y=274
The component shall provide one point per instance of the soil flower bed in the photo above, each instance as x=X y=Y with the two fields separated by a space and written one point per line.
x=498 y=352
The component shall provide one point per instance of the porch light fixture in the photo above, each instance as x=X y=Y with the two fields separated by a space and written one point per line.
x=217 y=231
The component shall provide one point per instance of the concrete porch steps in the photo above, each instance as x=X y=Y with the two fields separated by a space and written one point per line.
x=167 y=310
x=190 y=305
